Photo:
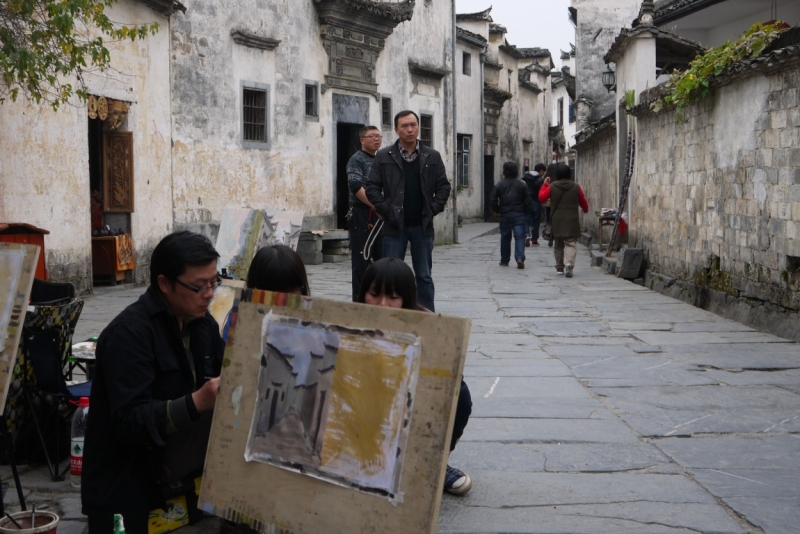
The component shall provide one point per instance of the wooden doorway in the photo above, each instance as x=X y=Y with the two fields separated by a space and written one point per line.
x=347 y=144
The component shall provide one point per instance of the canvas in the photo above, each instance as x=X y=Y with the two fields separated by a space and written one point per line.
x=333 y=416
x=243 y=231
x=17 y=268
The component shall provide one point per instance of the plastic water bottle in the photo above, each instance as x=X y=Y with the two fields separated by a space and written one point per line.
x=119 y=524
x=76 y=448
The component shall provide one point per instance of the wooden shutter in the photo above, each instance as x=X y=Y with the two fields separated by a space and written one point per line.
x=118 y=172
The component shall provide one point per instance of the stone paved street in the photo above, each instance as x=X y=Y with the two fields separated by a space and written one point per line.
x=599 y=405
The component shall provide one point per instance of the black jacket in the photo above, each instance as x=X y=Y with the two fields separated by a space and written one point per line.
x=141 y=364
x=534 y=182
x=510 y=195
x=384 y=187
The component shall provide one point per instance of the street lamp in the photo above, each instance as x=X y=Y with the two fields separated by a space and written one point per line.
x=610 y=80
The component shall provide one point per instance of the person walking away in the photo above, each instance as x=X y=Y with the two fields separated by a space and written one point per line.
x=390 y=283
x=534 y=181
x=511 y=198
x=566 y=196
x=551 y=172
x=362 y=213
x=153 y=391
x=408 y=186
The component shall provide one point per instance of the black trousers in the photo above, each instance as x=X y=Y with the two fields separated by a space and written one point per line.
x=359 y=231
x=463 y=411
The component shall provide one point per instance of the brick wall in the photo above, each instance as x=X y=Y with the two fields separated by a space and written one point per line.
x=717 y=198
x=595 y=173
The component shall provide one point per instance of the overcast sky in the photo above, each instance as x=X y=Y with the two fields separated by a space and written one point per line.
x=541 y=23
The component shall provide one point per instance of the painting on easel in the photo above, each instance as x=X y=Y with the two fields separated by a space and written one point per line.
x=334 y=403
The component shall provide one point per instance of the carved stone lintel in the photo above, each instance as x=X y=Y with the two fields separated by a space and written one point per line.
x=430 y=71
x=251 y=40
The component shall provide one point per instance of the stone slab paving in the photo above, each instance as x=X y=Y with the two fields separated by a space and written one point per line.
x=599 y=406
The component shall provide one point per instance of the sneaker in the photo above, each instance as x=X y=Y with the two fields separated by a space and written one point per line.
x=527 y=241
x=568 y=272
x=503 y=264
x=520 y=264
x=535 y=242
x=559 y=270
x=456 y=481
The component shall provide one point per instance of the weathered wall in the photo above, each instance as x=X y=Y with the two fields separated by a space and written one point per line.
x=596 y=175
x=599 y=22
x=718 y=199
x=469 y=120
x=44 y=172
x=211 y=169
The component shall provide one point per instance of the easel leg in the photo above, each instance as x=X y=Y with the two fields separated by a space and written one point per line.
x=13 y=461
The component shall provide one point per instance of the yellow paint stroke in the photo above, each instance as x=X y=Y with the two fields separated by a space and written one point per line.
x=360 y=422
x=436 y=372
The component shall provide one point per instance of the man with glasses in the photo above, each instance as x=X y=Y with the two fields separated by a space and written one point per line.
x=362 y=213
x=155 y=385
x=408 y=186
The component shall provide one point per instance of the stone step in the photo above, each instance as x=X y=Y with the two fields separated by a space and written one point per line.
x=334 y=258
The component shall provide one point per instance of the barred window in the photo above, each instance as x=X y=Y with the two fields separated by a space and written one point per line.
x=386 y=111
x=311 y=101
x=464 y=149
x=254 y=115
x=467 y=64
x=426 y=130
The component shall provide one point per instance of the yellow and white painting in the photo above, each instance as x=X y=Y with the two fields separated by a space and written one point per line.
x=334 y=403
x=10 y=270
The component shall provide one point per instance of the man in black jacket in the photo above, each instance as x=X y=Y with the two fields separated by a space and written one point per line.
x=152 y=393
x=534 y=180
x=511 y=198
x=408 y=187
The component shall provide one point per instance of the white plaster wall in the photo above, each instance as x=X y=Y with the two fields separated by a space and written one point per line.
x=44 y=170
x=469 y=120
x=212 y=170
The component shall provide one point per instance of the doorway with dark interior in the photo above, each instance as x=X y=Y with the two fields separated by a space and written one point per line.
x=488 y=185
x=347 y=144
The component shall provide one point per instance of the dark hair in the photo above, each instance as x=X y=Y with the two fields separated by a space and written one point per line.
x=390 y=276
x=551 y=171
x=510 y=169
x=363 y=131
x=539 y=167
x=177 y=251
x=278 y=268
x=404 y=113
x=564 y=172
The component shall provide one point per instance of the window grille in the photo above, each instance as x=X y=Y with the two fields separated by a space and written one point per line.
x=467 y=64
x=560 y=111
x=464 y=149
x=426 y=130
x=254 y=113
x=386 y=111
x=311 y=101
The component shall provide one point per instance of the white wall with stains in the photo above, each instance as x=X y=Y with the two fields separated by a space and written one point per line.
x=44 y=168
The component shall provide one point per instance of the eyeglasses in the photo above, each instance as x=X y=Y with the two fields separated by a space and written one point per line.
x=213 y=285
x=372 y=137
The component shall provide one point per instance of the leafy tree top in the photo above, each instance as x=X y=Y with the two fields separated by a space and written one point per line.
x=46 y=44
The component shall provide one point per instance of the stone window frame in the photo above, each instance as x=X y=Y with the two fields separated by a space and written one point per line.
x=466 y=63
x=257 y=145
x=431 y=115
x=560 y=111
x=387 y=118
x=306 y=85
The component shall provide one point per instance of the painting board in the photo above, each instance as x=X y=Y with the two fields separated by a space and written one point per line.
x=17 y=270
x=222 y=302
x=273 y=498
x=243 y=231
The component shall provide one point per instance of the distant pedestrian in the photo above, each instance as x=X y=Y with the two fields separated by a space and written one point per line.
x=550 y=172
x=362 y=213
x=408 y=186
x=566 y=197
x=511 y=198
x=534 y=180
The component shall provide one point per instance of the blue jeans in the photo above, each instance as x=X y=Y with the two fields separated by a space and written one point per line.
x=421 y=259
x=518 y=224
x=534 y=218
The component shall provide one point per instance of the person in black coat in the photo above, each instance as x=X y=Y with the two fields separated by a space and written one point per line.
x=511 y=198
x=155 y=385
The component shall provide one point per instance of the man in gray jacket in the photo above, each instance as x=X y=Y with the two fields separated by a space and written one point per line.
x=408 y=187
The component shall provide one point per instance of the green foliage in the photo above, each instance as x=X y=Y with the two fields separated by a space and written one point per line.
x=630 y=99
x=686 y=88
x=47 y=44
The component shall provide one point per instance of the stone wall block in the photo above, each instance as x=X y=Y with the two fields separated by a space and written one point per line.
x=794 y=157
x=778 y=119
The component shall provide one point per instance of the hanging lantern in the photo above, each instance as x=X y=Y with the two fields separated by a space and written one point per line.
x=102 y=108
x=92 y=103
x=609 y=80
